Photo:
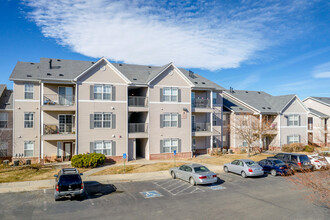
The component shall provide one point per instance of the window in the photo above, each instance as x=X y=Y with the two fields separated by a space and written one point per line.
x=3 y=149
x=103 y=147
x=293 y=139
x=170 y=94
x=293 y=120
x=310 y=123
x=170 y=145
x=170 y=120
x=216 y=119
x=28 y=91
x=245 y=120
x=28 y=119
x=244 y=143
x=102 y=92
x=102 y=120
x=28 y=148
x=3 y=119
x=214 y=98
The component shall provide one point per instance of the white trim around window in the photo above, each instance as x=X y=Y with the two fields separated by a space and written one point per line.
x=170 y=145
x=3 y=119
x=3 y=149
x=103 y=147
x=293 y=139
x=294 y=120
x=102 y=92
x=28 y=119
x=170 y=94
x=28 y=90
x=170 y=120
x=28 y=148
x=102 y=120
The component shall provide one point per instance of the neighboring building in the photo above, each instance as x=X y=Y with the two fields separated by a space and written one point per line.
x=286 y=117
x=318 y=120
x=6 y=122
x=67 y=107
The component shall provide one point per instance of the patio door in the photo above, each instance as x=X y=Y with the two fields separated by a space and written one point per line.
x=67 y=151
x=193 y=123
x=65 y=95
x=65 y=123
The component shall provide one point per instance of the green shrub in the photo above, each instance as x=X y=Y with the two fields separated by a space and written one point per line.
x=88 y=160
x=309 y=149
x=294 y=147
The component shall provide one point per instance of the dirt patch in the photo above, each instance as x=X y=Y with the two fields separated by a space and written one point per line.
x=137 y=168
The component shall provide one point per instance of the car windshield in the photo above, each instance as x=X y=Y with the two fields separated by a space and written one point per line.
x=251 y=163
x=201 y=169
x=69 y=179
x=279 y=162
x=304 y=158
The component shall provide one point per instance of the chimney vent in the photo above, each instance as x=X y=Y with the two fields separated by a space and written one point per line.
x=50 y=64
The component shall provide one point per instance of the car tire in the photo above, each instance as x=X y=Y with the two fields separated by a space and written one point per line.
x=226 y=169
x=192 y=181
x=243 y=174
x=273 y=172
x=173 y=175
x=57 y=198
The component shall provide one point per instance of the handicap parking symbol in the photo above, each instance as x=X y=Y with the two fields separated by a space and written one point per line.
x=217 y=187
x=150 y=194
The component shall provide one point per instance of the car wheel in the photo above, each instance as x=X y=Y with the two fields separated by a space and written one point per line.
x=243 y=174
x=173 y=175
x=192 y=181
x=57 y=198
x=273 y=172
x=226 y=169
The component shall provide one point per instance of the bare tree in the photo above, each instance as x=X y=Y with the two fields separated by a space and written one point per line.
x=251 y=129
x=5 y=136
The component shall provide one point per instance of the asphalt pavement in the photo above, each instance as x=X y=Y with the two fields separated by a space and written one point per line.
x=232 y=197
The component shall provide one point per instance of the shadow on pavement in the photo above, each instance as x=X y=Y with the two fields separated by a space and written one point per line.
x=95 y=189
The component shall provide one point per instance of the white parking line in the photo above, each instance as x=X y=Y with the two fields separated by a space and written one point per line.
x=183 y=190
x=178 y=187
x=127 y=191
x=165 y=182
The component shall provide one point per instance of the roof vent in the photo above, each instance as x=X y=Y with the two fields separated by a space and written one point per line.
x=269 y=107
x=196 y=82
x=149 y=66
x=120 y=64
x=240 y=108
x=49 y=74
x=134 y=78
x=259 y=92
x=60 y=74
x=246 y=92
x=58 y=60
x=231 y=89
x=263 y=108
x=93 y=62
x=28 y=75
x=32 y=63
x=50 y=63
x=191 y=74
x=203 y=82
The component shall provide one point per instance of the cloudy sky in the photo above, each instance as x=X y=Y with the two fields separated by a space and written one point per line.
x=281 y=47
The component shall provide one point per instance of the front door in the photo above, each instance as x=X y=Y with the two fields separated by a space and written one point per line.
x=67 y=151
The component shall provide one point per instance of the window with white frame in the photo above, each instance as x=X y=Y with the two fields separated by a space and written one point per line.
x=102 y=92
x=28 y=91
x=3 y=149
x=214 y=96
x=293 y=139
x=102 y=120
x=170 y=120
x=293 y=120
x=103 y=147
x=170 y=145
x=3 y=119
x=170 y=94
x=244 y=143
x=28 y=148
x=28 y=119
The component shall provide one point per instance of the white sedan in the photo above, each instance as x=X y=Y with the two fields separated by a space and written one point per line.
x=318 y=161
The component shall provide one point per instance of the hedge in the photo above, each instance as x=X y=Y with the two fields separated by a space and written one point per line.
x=87 y=160
x=297 y=147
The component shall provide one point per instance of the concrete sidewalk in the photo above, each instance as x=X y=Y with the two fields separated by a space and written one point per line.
x=115 y=178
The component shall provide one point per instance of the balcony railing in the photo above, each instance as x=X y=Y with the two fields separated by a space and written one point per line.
x=201 y=103
x=310 y=126
x=137 y=101
x=201 y=127
x=137 y=127
x=61 y=129
x=56 y=99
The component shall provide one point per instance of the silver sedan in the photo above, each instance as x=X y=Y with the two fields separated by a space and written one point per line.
x=244 y=167
x=194 y=174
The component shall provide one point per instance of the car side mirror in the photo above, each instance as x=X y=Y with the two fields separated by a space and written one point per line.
x=81 y=174
x=55 y=175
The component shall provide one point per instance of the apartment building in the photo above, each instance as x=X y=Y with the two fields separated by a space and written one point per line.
x=6 y=123
x=285 y=116
x=318 y=120
x=68 y=107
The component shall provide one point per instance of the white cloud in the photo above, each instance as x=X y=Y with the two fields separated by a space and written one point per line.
x=202 y=34
x=322 y=71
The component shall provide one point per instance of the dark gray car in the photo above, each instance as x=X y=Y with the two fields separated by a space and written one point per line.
x=295 y=161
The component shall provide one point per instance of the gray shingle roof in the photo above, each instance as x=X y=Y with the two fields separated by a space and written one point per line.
x=6 y=100
x=2 y=88
x=235 y=106
x=261 y=101
x=70 y=69
x=319 y=114
x=322 y=99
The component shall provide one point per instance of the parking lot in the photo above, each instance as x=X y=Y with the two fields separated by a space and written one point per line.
x=231 y=197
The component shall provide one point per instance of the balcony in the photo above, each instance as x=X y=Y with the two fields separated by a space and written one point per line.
x=138 y=130
x=201 y=105
x=56 y=102
x=137 y=103
x=55 y=132
x=201 y=129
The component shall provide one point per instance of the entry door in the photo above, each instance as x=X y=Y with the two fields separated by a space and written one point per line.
x=65 y=95
x=67 y=150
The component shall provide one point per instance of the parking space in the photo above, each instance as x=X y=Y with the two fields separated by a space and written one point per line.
x=178 y=187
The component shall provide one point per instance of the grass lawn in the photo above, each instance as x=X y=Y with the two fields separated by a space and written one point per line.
x=138 y=168
x=29 y=173
x=227 y=158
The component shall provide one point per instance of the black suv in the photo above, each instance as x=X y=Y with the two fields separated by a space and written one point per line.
x=68 y=184
x=295 y=161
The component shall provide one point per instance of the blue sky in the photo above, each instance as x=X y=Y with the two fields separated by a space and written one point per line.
x=280 y=47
